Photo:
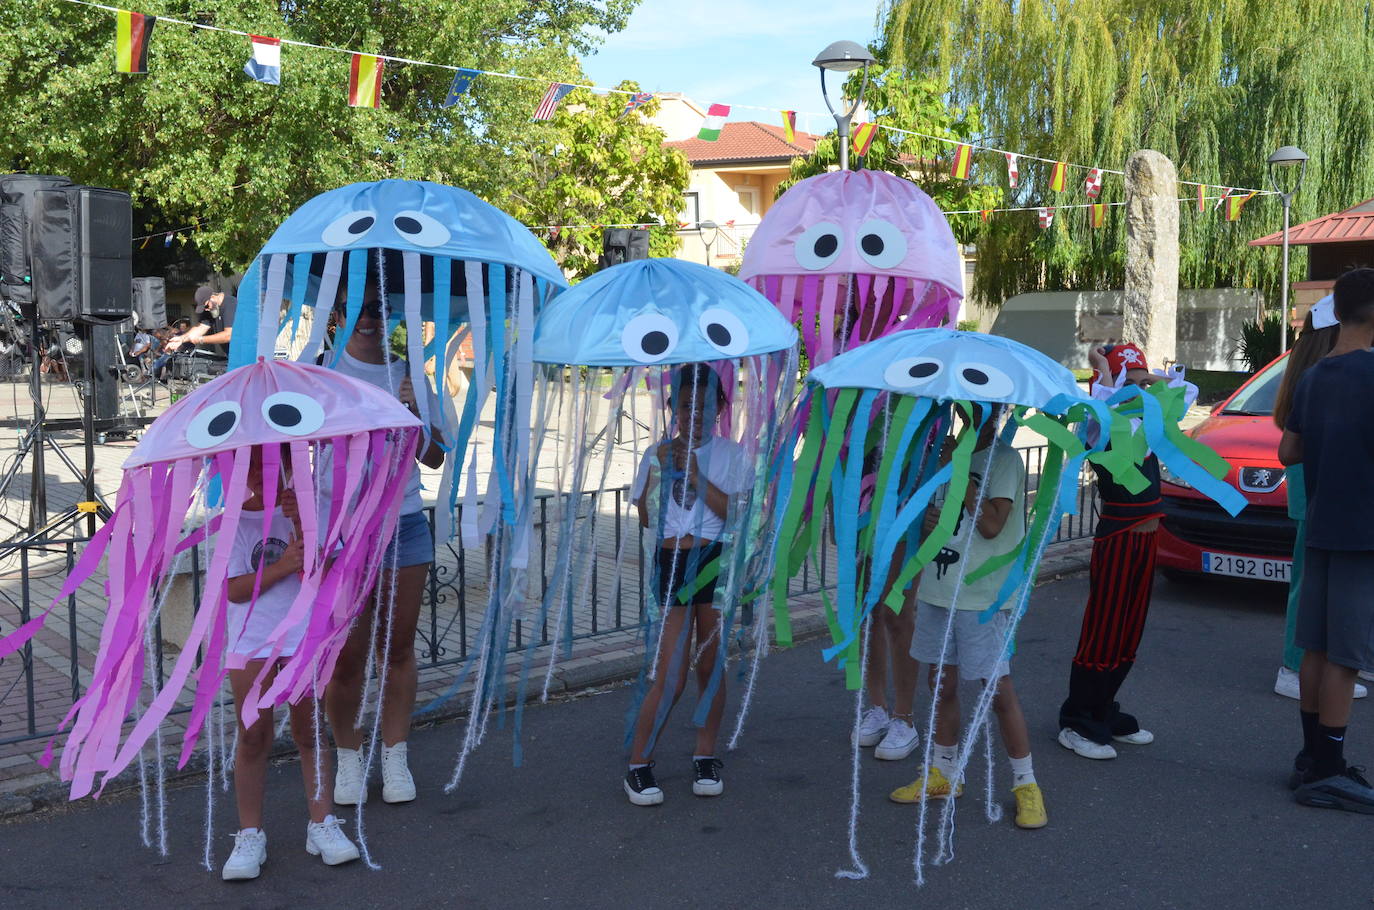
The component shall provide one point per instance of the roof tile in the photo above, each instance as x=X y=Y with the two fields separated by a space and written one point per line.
x=743 y=141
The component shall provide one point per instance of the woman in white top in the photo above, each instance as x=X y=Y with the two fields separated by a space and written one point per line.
x=692 y=476
x=366 y=357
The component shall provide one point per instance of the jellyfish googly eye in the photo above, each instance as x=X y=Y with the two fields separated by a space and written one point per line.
x=292 y=413
x=214 y=424
x=649 y=337
x=881 y=244
x=724 y=331
x=911 y=373
x=420 y=229
x=983 y=381
x=818 y=246
x=350 y=228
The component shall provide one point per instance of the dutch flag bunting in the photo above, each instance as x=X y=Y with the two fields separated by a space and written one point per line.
x=265 y=64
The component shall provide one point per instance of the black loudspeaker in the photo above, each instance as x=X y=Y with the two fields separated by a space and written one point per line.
x=17 y=202
x=83 y=254
x=100 y=348
x=150 y=303
x=623 y=245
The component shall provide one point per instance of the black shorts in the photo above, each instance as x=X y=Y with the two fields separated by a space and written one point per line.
x=1336 y=606
x=677 y=569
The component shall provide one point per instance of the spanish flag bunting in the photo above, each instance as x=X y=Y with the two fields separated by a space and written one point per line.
x=365 y=81
x=1201 y=198
x=1234 y=203
x=1058 y=175
x=963 y=159
x=1046 y=216
x=863 y=138
x=985 y=214
x=789 y=126
x=1099 y=214
x=132 y=34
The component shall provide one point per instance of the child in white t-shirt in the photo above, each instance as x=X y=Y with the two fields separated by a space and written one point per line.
x=683 y=491
x=992 y=523
x=264 y=579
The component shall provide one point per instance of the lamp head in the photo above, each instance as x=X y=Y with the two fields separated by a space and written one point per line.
x=1287 y=156
x=707 y=225
x=844 y=57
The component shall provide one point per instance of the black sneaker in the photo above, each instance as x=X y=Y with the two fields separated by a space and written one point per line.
x=1347 y=790
x=1302 y=766
x=641 y=787
x=707 y=780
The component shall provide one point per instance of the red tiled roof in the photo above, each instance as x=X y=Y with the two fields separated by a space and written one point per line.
x=1353 y=225
x=745 y=141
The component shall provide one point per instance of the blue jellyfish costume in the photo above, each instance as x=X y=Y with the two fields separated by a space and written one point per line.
x=440 y=256
x=894 y=425
x=635 y=356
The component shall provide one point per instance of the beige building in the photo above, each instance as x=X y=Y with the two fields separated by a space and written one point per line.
x=734 y=179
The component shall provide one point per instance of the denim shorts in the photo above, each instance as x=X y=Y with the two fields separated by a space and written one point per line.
x=413 y=544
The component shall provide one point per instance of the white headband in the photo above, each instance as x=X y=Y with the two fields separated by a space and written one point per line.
x=1324 y=313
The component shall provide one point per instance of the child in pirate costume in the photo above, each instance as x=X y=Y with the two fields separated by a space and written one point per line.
x=1121 y=576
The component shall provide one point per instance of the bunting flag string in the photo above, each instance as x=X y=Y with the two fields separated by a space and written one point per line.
x=636 y=100
x=863 y=137
x=963 y=159
x=462 y=81
x=556 y=92
x=265 y=63
x=1046 y=216
x=789 y=126
x=133 y=31
x=138 y=56
x=714 y=122
x=1201 y=198
x=1099 y=214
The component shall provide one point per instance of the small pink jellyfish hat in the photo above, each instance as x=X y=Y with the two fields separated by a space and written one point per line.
x=853 y=256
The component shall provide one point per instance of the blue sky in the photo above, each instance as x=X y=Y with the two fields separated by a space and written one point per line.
x=755 y=52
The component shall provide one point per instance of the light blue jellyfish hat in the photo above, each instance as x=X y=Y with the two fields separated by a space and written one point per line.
x=440 y=256
x=634 y=332
x=882 y=444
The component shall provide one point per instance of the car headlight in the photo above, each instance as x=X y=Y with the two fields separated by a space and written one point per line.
x=1169 y=476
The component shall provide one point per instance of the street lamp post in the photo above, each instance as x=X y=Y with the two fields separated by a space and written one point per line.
x=844 y=57
x=1286 y=157
x=715 y=233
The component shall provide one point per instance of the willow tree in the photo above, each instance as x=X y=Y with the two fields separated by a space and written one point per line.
x=1215 y=86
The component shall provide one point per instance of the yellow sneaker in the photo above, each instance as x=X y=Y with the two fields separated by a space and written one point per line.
x=1030 y=806
x=933 y=786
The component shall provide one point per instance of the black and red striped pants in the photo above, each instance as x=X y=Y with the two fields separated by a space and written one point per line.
x=1120 y=583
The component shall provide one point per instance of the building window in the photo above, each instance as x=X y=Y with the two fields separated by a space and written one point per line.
x=691 y=210
x=748 y=199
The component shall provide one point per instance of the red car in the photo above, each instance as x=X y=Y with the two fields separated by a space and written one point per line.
x=1197 y=535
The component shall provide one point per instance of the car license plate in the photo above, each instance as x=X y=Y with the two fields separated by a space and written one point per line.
x=1247 y=567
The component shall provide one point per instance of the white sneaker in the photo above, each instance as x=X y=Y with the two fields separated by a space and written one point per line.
x=1287 y=684
x=397 y=784
x=349 y=789
x=901 y=740
x=1138 y=738
x=250 y=852
x=1071 y=740
x=327 y=841
x=873 y=726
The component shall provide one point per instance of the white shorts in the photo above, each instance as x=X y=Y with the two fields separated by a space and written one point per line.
x=976 y=648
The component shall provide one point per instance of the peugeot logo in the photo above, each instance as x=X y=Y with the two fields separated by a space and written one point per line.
x=1260 y=480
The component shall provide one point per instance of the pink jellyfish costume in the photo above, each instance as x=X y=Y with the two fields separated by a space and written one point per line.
x=364 y=436
x=855 y=255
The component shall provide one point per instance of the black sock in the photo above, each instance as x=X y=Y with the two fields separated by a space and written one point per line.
x=1309 y=731
x=1330 y=751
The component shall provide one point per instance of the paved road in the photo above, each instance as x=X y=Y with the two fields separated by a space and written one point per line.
x=1199 y=819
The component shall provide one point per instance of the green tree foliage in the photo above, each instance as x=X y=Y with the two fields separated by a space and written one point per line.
x=895 y=98
x=1216 y=86
x=634 y=179
x=195 y=141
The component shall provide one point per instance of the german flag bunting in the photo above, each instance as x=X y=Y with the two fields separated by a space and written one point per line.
x=132 y=34
x=963 y=160
x=1058 y=176
x=365 y=81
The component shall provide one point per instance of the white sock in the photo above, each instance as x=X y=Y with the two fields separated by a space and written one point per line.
x=249 y=830
x=1021 y=773
x=700 y=757
x=635 y=766
x=944 y=760
x=398 y=749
